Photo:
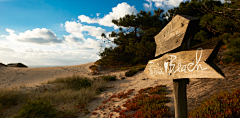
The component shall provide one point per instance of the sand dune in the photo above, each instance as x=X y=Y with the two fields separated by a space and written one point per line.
x=197 y=90
x=13 y=76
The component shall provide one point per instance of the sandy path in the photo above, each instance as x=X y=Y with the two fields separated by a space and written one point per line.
x=197 y=90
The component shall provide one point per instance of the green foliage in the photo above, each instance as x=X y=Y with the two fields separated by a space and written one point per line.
x=142 y=105
x=202 y=36
x=74 y=82
x=186 y=8
x=109 y=78
x=217 y=24
x=131 y=72
x=145 y=105
x=232 y=42
x=99 y=90
x=8 y=99
x=135 y=44
x=224 y=104
x=37 y=109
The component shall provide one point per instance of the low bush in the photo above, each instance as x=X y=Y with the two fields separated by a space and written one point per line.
x=99 y=90
x=222 y=105
x=134 y=70
x=74 y=82
x=109 y=78
x=94 y=69
x=8 y=98
x=232 y=42
x=149 y=103
x=37 y=109
x=131 y=72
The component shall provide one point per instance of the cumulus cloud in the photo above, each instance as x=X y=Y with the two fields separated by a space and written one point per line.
x=38 y=36
x=119 y=11
x=70 y=39
x=148 y=7
x=166 y=3
x=77 y=29
x=91 y=44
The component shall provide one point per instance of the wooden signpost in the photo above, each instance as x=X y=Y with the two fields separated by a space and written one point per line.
x=180 y=66
x=175 y=33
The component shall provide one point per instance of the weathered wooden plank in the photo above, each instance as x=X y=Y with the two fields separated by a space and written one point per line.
x=175 y=33
x=180 y=97
x=184 y=64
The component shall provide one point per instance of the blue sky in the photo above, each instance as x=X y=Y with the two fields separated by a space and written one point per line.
x=62 y=32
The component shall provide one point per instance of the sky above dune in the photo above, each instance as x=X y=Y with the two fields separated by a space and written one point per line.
x=62 y=32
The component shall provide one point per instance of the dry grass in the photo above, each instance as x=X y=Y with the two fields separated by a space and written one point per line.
x=65 y=95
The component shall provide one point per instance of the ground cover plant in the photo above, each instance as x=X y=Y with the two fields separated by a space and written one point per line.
x=65 y=99
x=35 y=109
x=109 y=78
x=149 y=102
x=133 y=71
x=94 y=69
x=222 y=105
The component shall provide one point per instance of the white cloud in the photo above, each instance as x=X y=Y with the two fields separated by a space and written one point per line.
x=61 y=24
x=98 y=14
x=119 y=11
x=28 y=50
x=70 y=39
x=6 y=49
x=76 y=30
x=38 y=36
x=163 y=4
x=91 y=44
x=148 y=7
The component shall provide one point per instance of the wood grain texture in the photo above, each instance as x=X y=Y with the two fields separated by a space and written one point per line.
x=180 y=97
x=174 y=33
x=184 y=64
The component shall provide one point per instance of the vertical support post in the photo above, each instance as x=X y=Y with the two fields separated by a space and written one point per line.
x=180 y=97
x=188 y=43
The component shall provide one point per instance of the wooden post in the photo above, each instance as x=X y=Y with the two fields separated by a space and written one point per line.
x=180 y=97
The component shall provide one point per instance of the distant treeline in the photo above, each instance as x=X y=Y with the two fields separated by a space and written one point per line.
x=135 y=42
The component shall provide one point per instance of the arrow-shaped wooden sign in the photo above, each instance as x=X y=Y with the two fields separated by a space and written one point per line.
x=177 y=31
x=186 y=64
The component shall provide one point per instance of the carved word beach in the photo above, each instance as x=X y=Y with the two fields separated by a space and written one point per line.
x=181 y=68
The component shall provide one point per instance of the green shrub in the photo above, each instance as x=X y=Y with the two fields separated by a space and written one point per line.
x=99 y=90
x=109 y=78
x=222 y=105
x=74 y=82
x=141 y=68
x=131 y=72
x=232 y=42
x=37 y=109
x=8 y=98
x=77 y=84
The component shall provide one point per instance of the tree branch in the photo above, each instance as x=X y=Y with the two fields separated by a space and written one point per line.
x=232 y=9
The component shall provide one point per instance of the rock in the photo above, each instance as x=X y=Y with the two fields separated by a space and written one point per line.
x=16 y=65
x=2 y=65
